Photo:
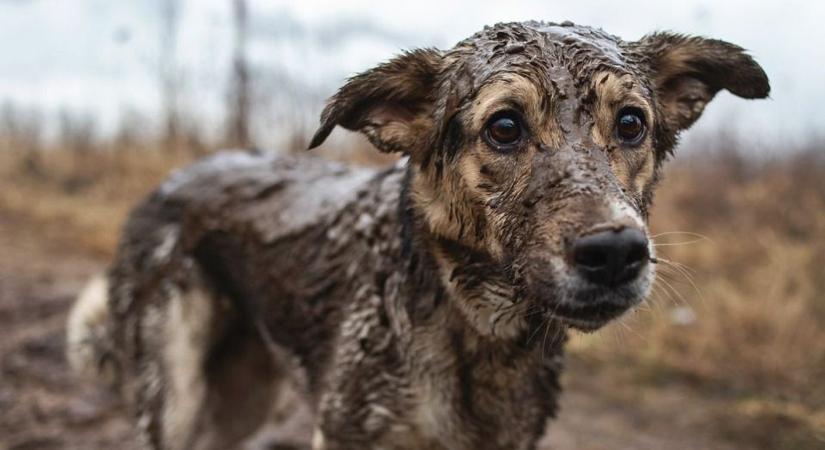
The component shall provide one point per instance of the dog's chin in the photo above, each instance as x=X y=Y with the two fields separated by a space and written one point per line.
x=588 y=308
x=591 y=320
x=586 y=326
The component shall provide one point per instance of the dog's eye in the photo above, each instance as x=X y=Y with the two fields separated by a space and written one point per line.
x=630 y=125
x=503 y=130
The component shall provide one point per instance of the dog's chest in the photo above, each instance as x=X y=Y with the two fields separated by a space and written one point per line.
x=460 y=402
x=431 y=422
x=434 y=414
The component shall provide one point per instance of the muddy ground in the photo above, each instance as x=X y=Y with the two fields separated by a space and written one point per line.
x=43 y=406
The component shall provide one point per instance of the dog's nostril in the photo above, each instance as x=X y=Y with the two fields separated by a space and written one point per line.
x=590 y=255
x=611 y=257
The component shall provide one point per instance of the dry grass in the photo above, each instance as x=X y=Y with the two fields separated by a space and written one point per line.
x=738 y=311
x=80 y=199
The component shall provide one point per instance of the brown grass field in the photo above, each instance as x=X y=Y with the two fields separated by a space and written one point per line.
x=729 y=352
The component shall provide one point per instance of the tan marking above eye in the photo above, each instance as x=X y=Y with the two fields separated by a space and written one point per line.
x=632 y=167
x=613 y=93
x=508 y=91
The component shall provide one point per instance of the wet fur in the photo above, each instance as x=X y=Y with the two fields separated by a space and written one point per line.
x=423 y=306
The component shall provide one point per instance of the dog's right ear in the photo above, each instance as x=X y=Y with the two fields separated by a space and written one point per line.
x=392 y=104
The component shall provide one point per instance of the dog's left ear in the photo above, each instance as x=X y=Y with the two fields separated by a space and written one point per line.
x=689 y=71
x=392 y=104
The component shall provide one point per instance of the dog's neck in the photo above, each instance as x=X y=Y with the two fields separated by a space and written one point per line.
x=471 y=280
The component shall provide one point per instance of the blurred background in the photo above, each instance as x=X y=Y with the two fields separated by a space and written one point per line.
x=99 y=100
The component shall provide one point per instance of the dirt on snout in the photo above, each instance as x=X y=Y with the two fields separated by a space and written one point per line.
x=44 y=406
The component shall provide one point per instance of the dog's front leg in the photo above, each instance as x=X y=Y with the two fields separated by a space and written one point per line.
x=365 y=399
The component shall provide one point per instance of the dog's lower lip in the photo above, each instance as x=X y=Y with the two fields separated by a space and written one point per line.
x=582 y=324
x=596 y=311
x=591 y=316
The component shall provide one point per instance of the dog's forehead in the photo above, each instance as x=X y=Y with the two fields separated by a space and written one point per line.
x=543 y=52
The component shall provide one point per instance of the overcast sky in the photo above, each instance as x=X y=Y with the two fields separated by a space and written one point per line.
x=99 y=57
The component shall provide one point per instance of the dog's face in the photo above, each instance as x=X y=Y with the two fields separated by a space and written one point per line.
x=534 y=151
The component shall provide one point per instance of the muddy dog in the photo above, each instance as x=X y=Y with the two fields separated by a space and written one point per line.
x=423 y=306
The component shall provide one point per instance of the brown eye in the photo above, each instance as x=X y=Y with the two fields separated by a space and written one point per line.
x=503 y=131
x=630 y=126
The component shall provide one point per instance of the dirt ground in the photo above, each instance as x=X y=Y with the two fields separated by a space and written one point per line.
x=42 y=406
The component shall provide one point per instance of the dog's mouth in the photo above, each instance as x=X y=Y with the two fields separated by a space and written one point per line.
x=580 y=324
x=591 y=317
x=587 y=307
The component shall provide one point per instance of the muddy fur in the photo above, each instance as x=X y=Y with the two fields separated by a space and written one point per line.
x=424 y=306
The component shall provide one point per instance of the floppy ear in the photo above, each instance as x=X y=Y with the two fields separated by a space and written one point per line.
x=689 y=71
x=391 y=104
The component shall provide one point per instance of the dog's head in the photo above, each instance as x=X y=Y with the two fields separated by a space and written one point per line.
x=534 y=150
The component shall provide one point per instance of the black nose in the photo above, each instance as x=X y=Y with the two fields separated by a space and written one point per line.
x=611 y=257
